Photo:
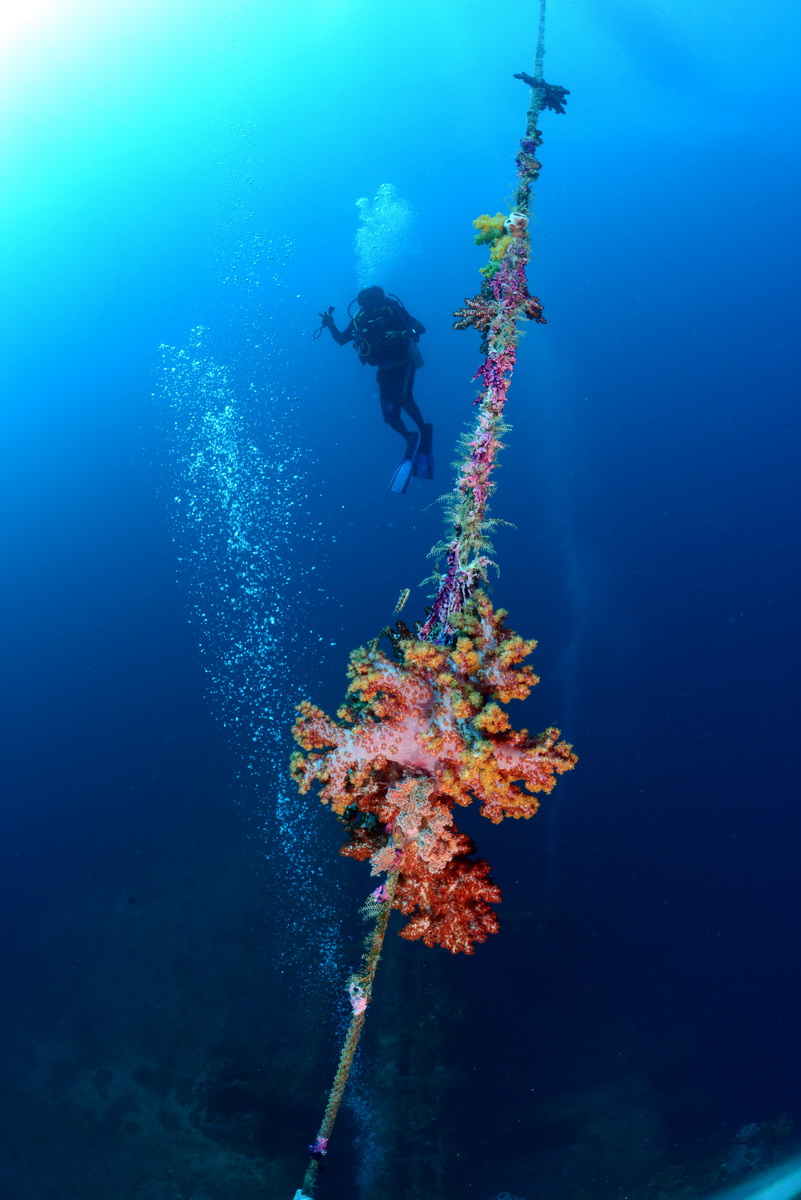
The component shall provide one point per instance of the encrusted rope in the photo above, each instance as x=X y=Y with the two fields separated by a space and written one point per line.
x=466 y=561
x=360 y=988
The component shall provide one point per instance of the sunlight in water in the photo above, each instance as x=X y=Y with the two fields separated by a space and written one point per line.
x=24 y=15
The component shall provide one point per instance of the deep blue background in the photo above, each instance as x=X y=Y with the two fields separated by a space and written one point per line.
x=648 y=962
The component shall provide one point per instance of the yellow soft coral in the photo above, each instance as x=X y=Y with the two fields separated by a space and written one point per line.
x=500 y=247
x=489 y=228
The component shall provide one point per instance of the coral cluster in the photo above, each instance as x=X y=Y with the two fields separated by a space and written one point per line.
x=528 y=165
x=479 y=312
x=499 y=248
x=489 y=228
x=531 y=307
x=549 y=95
x=422 y=731
x=503 y=300
x=498 y=233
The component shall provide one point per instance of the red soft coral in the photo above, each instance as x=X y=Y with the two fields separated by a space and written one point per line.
x=423 y=732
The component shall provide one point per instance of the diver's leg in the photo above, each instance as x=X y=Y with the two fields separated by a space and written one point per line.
x=390 y=382
x=411 y=408
x=407 y=400
x=390 y=388
x=423 y=466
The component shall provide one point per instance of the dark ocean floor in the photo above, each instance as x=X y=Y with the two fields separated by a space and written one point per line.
x=165 y=1056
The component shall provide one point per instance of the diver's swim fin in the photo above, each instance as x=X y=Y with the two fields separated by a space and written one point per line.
x=423 y=466
x=403 y=471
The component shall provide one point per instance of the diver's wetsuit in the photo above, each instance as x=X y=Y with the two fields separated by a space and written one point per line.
x=395 y=384
x=383 y=335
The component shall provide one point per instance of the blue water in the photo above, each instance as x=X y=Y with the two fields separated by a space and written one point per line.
x=198 y=530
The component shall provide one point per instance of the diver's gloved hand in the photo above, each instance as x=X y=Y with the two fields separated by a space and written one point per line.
x=327 y=319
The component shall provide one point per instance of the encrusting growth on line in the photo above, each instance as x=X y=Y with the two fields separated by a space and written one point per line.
x=424 y=728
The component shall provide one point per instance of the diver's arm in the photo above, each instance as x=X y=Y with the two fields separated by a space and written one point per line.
x=410 y=331
x=341 y=337
x=411 y=334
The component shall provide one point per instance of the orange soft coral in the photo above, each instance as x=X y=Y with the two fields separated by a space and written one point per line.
x=423 y=732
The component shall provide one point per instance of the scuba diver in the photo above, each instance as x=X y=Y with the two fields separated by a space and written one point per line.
x=385 y=336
